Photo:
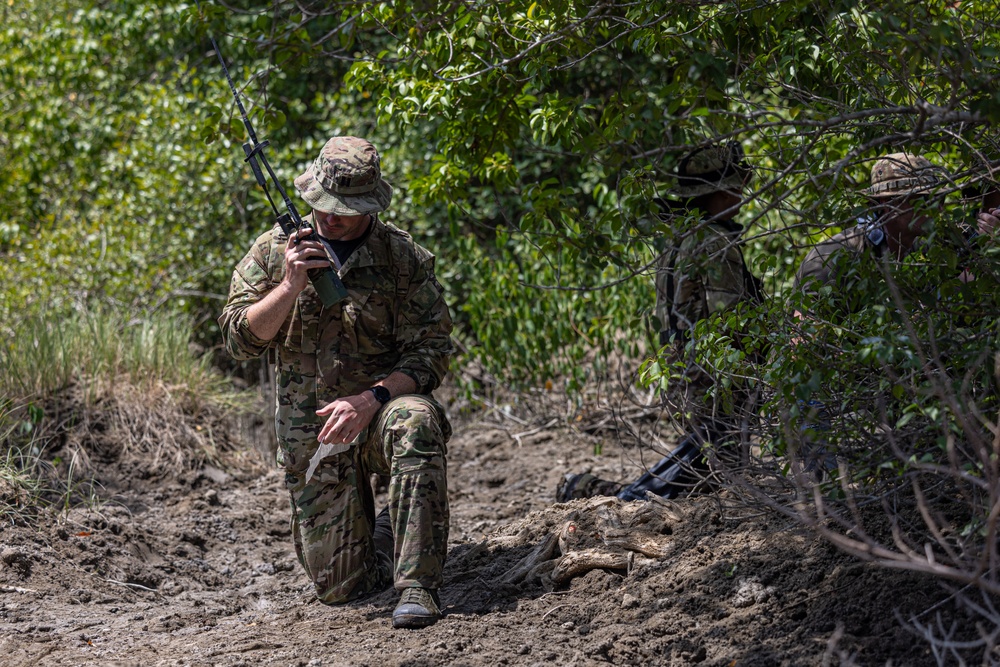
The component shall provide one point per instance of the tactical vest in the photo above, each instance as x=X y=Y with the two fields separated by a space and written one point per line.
x=333 y=352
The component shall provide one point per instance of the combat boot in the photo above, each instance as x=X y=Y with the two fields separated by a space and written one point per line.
x=417 y=608
x=585 y=485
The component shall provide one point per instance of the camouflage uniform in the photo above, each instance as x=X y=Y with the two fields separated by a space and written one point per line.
x=704 y=275
x=706 y=272
x=394 y=319
x=848 y=262
x=819 y=268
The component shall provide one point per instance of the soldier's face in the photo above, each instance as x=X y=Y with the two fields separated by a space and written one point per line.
x=723 y=201
x=895 y=212
x=906 y=218
x=340 y=227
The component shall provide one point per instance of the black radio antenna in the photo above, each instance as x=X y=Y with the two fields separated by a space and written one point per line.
x=325 y=280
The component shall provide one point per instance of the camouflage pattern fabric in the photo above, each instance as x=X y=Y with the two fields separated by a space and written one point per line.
x=819 y=266
x=903 y=174
x=893 y=176
x=394 y=319
x=709 y=275
x=346 y=179
x=712 y=169
x=333 y=511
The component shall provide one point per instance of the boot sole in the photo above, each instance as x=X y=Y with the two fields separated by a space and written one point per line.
x=412 y=621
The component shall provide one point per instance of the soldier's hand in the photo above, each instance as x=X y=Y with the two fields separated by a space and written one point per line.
x=347 y=417
x=300 y=257
x=989 y=222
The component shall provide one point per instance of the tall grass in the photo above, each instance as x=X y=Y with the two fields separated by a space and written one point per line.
x=46 y=354
x=20 y=484
x=95 y=381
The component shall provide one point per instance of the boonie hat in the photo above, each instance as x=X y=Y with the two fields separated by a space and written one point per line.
x=346 y=179
x=712 y=169
x=903 y=174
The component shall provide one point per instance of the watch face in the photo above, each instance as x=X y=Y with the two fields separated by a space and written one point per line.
x=381 y=394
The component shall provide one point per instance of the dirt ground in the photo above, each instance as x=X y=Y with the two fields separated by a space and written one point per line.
x=199 y=570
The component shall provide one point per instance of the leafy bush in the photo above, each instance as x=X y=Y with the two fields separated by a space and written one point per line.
x=884 y=395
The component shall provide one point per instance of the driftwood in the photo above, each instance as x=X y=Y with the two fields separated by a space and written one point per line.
x=508 y=541
x=645 y=544
x=576 y=563
x=525 y=569
x=600 y=533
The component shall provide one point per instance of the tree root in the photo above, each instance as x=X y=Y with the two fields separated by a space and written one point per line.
x=602 y=533
x=528 y=566
x=576 y=563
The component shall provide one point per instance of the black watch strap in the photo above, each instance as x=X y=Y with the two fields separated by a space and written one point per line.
x=381 y=394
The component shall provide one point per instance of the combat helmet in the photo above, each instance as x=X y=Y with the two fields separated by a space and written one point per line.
x=712 y=169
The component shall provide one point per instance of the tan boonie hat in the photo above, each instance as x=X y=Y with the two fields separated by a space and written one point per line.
x=346 y=179
x=712 y=169
x=900 y=174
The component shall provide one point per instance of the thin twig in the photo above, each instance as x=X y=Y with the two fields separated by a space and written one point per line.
x=138 y=586
x=558 y=606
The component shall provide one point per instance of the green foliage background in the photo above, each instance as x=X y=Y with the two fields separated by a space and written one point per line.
x=526 y=142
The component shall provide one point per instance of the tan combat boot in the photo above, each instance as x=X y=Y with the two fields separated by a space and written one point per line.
x=417 y=608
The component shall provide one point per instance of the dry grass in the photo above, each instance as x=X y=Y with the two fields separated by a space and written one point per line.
x=91 y=393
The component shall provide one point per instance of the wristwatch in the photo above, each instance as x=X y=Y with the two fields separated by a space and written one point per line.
x=381 y=394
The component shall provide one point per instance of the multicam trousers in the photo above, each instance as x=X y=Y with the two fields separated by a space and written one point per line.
x=333 y=511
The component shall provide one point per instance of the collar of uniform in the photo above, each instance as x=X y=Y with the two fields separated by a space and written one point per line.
x=373 y=252
x=731 y=226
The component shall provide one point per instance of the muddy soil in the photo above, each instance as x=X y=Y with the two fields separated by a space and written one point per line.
x=199 y=570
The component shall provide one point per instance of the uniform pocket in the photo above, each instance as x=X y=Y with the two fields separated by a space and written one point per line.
x=296 y=423
x=375 y=327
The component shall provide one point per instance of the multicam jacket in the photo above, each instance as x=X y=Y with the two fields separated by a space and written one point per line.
x=394 y=319
x=704 y=275
x=819 y=267
x=850 y=263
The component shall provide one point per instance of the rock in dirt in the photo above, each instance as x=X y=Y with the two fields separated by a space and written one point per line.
x=215 y=475
x=750 y=592
x=630 y=601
